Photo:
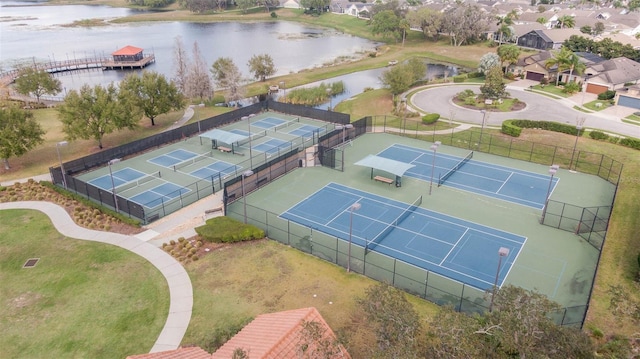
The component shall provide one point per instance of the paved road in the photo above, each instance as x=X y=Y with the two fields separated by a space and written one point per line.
x=539 y=107
x=180 y=289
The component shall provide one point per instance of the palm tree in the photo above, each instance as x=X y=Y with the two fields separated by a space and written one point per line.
x=575 y=65
x=566 y=21
x=404 y=26
x=505 y=23
x=561 y=59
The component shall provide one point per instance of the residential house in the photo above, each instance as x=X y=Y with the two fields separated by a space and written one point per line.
x=546 y=39
x=534 y=68
x=291 y=4
x=612 y=74
x=359 y=10
x=628 y=97
x=180 y=353
x=277 y=336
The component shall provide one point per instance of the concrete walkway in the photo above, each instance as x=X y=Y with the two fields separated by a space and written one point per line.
x=180 y=289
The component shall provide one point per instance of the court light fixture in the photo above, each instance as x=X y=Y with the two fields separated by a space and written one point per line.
x=113 y=184
x=502 y=252
x=58 y=145
x=354 y=207
x=247 y=173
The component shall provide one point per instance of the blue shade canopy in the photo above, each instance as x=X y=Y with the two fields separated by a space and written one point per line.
x=223 y=136
x=385 y=164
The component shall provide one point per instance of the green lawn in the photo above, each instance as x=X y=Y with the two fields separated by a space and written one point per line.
x=81 y=300
x=598 y=105
x=551 y=89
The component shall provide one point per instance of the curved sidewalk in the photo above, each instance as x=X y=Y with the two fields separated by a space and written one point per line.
x=178 y=281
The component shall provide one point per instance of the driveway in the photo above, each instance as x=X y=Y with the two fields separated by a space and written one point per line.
x=539 y=107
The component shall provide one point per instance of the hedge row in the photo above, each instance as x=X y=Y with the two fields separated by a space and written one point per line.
x=459 y=78
x=631 y=142
x=514 y=127
x=228 y=230
x=430 y=118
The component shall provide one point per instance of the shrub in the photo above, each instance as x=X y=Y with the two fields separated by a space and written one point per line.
x=509 y=129
x=274 y=15
x=607 y=95
x=228 y=230
x=571 y=88
x=544 y=81
x=597 y=135
x=463 y=95
x=474 y=75
x=459 y=78
x=631 y=142
x=430 y=118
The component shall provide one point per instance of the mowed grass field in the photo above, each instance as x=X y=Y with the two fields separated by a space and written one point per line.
x=81 y=300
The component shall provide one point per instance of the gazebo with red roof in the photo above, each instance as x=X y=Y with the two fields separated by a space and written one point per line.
x=128 y=54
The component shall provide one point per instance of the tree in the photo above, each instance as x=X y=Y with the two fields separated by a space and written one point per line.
x=560 y=60
x=226 y=75
x=152 y=93
x=180 y=64
x=586 y=29
x=37 y=83
x=598 y=28
x=541 y=20
x=429 y=20
x=317 y=5
x=244 y=5
x=261 y=66
x=239 y=353
x=95 y=112
x=316 y=342
x=396 y=323
x=198 y=80
x=488 y=61
x=385 y=23
x=566 y=21
x=404 y=27
x=464 y=24
x=399 y=78
x=19 y=133
x=575 y=65
x=494 y=86
x=454 y=335
x=508 y=54
x=504 y=23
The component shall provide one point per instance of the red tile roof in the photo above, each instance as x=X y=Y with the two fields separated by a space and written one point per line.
x=275 y=335
x=127 y=51
x=181 y=353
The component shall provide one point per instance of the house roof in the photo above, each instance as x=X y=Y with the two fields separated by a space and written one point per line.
x=617 y=71
x=559 y=35
x=180 y=353
x=274 y=335
x=128 y=50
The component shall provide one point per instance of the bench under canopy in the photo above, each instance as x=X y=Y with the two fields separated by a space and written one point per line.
x=388 y=165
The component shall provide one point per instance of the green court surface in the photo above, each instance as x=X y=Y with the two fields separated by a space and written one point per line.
x=557 y=263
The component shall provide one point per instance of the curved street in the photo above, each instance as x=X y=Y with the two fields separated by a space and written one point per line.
x=539 y=107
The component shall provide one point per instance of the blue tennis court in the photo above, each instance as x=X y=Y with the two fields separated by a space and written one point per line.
x=508 y=184
x=120 y=177
x=305 y=131
x=172 y=158
x=158 y=195
x=219 y=168
x=273 y=145
x=240 y=132
x=268 y=122
x=461 y=250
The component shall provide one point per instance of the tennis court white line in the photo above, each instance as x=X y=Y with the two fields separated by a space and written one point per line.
x=504 y=183
x=453 y=247
x=532 y=204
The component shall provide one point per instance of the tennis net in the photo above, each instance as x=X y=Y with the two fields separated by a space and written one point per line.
x=253 y=137
x=394 y=224
x=190 y=162
x=144 y=179
x=286 y=124
x=454 y=169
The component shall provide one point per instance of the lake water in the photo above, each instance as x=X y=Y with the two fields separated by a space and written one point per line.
x=31 y=33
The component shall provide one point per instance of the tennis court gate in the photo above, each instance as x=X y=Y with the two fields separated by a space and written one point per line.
x=417 y=281
x=332 y=145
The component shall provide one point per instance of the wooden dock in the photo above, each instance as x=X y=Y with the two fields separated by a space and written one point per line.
x=100 y=63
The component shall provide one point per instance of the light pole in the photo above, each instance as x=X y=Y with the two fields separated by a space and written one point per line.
x=404 y=113
x=58 y=145
x=434 y=148
x=502 y=252
x=552 y=171
x=244 y=199
x=354 y=207
x=484 y=116
x=328 y=90
x=575 y=145
x=113 y=184
x=343 y=128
